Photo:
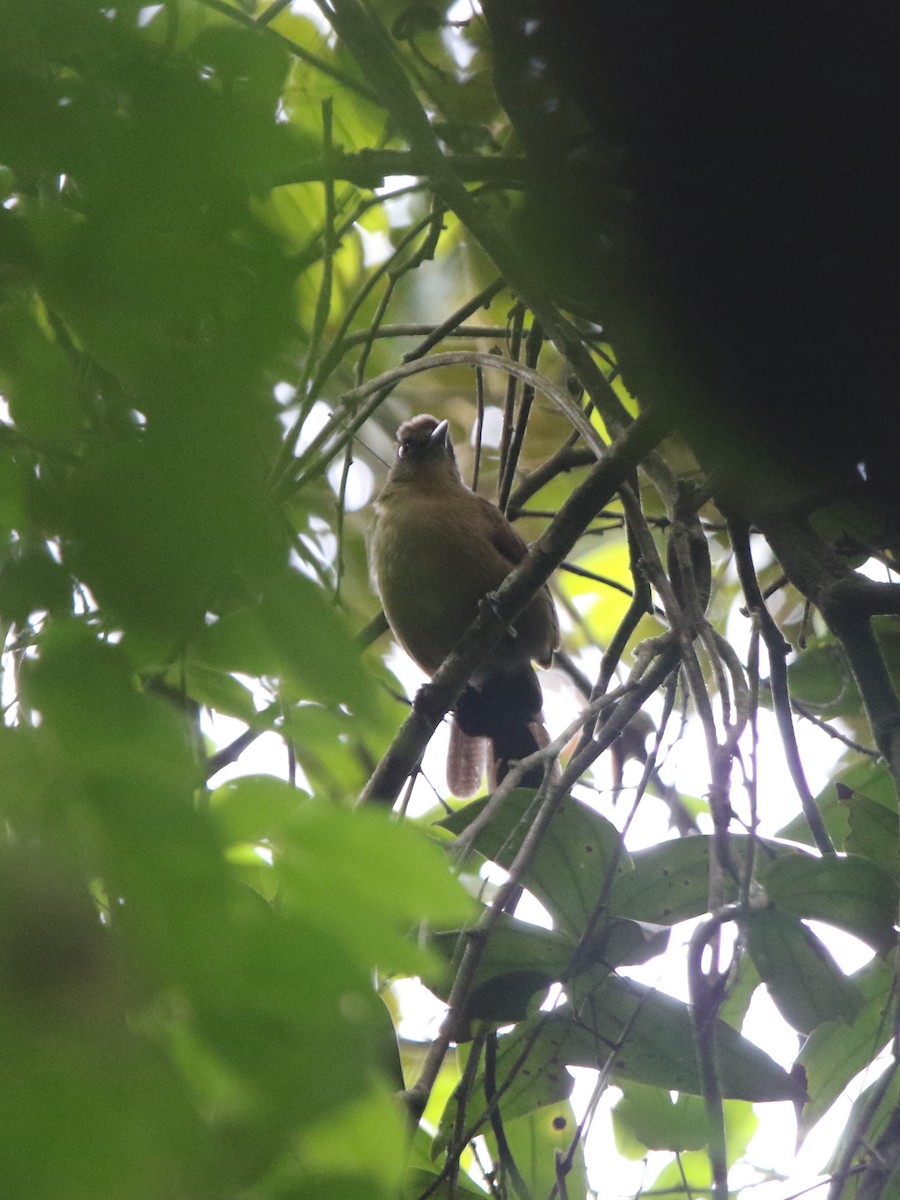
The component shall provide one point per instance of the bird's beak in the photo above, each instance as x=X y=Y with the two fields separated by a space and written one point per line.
x=440 y=434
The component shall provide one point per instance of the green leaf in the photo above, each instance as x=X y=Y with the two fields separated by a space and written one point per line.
x=568 y=870
x=618 y=943
x=870 y=1114
x=669 y=883
x=803 y=979
x=690 y=1174
x=835 y=1052
x=648 y=1118
x=538 y=1142
x=648 y=1038
x=870 y=777
x=334 y=747
x=820 y=677
x=294 y=633
x=33 y=581
x=366 y=1138
x=332 y=865
x=852 y=893
x=519 y=961
x=419 y=1182
x=740 y=993
x=168 y=527
x=13 y=486
x=112 y=731
x=116 y=1092
x=220 y=692
x=36 y=376
x=531 y=1068
x=874 y=831
x=651 y=1039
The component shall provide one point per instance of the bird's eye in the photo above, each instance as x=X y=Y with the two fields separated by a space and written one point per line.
x=403 y=449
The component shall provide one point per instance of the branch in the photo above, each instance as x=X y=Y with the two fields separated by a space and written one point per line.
x=416 y=1097
x=358 y=404
x=777 y=650
x=707 y=994
x=847 y=602
x=370 y=168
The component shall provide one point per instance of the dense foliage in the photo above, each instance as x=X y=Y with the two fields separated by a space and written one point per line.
x=238 y=245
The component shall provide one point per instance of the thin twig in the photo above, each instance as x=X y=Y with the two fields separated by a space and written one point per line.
x=777 y=650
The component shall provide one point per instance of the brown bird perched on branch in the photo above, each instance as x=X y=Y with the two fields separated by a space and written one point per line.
x=438 y=549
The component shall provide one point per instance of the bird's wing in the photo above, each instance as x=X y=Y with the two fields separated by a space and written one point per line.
x=509 y=544
x=503 y=536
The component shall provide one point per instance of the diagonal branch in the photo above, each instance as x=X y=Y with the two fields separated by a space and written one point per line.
x=847 y=602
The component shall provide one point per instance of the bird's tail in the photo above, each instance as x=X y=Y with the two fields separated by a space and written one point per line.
x=500 y=721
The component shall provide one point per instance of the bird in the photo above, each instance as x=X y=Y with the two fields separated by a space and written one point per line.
x=437 y=550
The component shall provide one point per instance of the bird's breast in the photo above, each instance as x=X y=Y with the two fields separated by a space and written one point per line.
x=431 y=568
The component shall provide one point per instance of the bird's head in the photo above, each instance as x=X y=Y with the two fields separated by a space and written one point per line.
x=424 y=451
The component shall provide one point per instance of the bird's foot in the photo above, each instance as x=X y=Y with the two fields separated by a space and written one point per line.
x=492 y=603
x=423 y=701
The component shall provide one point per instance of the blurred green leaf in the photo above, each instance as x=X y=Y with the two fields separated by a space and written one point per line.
x=873 y=832
x=335 y=749
x=111 y=731
x=219 y=691
x=820 y=677
x=332 y=865
x=13 y=483
x=36 y=376
x=419 y=1181
x=366 y=1138
x=33 y=581
x=293 y=633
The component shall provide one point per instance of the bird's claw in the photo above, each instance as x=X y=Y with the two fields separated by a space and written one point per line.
x=492 y=603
